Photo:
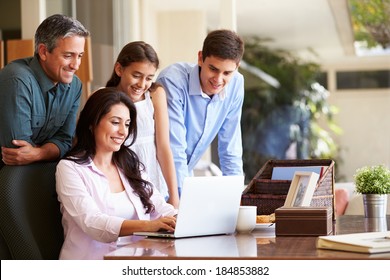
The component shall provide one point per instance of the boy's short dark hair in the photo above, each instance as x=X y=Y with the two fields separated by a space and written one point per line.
x=225 y=44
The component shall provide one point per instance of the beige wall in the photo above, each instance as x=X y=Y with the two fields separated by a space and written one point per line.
x=174 y=37
x=364 y=116
x=180 y=35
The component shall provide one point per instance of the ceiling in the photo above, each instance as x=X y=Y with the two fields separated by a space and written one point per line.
x=297 y=25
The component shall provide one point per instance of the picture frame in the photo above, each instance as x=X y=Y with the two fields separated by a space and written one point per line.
x=301 y=189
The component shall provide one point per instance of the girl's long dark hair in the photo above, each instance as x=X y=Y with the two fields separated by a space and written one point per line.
x=137 y=51
x=97 y=106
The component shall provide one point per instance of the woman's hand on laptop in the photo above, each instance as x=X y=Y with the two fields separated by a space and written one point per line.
x=167 y=223
x=163 y=223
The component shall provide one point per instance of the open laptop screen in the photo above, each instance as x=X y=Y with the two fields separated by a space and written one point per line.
x=208 y=206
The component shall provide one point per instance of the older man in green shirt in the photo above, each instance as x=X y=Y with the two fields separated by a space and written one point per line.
x=40 y=95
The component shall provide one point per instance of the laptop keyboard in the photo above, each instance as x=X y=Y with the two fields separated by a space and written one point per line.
x=165 y=231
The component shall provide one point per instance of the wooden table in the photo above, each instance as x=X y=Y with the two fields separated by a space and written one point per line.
x=260 y=244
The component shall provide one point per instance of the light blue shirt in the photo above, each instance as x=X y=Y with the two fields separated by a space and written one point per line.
x=196 y=119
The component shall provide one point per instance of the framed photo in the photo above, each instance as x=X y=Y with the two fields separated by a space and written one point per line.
x=301 y=189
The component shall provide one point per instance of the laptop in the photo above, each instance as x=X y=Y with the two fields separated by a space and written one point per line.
x=208 y=206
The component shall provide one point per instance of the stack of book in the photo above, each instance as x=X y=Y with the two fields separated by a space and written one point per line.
x=366 y=242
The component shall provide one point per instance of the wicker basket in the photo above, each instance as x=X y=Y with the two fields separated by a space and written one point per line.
x=269 y=194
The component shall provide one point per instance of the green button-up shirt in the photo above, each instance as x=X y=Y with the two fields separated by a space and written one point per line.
x=33 y=109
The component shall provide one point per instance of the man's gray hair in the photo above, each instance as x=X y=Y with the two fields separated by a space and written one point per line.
x=58 y=27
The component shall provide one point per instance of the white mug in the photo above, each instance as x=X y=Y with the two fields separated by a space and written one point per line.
x=246 y=220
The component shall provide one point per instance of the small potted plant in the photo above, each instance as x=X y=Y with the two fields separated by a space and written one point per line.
x=373 y=182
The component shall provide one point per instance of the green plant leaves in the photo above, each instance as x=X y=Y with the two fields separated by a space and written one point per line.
x=372 y=180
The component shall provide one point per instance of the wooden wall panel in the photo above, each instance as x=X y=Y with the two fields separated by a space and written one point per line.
x=19 y=49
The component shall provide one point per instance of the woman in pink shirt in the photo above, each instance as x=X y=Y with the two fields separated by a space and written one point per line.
x=103 y=191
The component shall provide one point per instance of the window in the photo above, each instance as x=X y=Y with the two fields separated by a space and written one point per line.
x=363 y=79
x=322 y=79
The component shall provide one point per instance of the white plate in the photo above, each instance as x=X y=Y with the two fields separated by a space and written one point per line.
x=265 y=226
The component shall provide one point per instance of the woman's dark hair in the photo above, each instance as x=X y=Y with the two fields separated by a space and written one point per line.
x=97 y=106
x=137 y=51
